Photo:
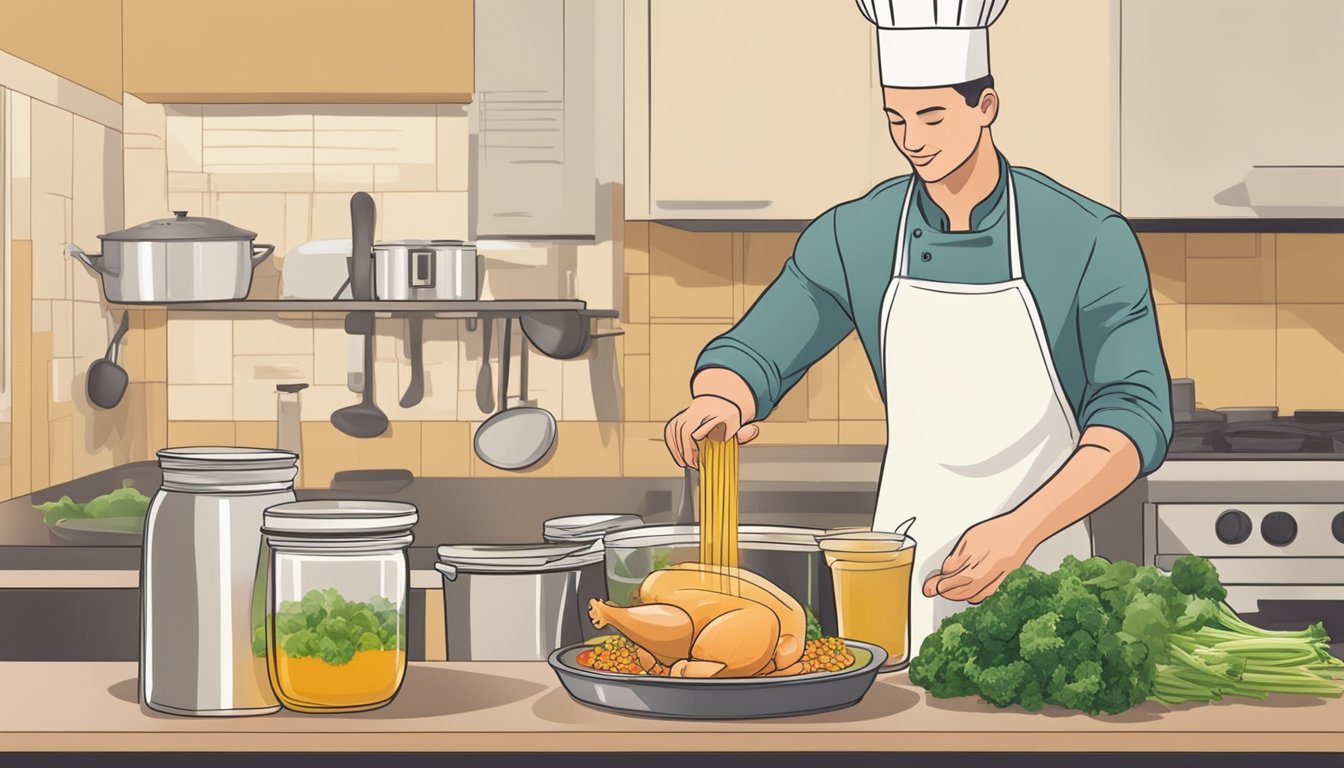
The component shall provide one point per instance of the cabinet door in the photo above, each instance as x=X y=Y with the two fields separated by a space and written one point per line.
x=1212 y=89
x=758 y=109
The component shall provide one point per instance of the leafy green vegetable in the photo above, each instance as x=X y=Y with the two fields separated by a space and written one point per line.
x=813 y=626
x=126 y=501
x=326 y=625
x=1101 y=637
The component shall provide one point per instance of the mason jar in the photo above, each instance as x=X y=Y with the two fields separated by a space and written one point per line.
x=199 y=576
x=336 y=601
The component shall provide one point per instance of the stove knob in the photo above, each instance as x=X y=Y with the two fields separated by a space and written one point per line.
x=1233 y=527
x=1337 y=527
x=1279 y=528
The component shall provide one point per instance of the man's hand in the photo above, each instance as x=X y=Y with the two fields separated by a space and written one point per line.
x=986 y=553
x=699 y=419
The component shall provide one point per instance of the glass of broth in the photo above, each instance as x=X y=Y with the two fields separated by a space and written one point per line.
x=870 y=572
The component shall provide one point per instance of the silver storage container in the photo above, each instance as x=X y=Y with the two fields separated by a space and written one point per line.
x=578 y=530
x=201 y=594
x=426 y=270
x=182 y=259
x=514 y=602
x=788 y=556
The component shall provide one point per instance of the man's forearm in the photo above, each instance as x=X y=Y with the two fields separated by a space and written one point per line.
x=722 y=382
x=1105 y=464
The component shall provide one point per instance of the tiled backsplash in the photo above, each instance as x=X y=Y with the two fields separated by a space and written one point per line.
x=1254 y=319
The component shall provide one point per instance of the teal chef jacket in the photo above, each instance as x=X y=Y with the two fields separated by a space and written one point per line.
x=1080 y=259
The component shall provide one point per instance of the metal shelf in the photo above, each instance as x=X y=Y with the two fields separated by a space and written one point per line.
x=463 y=308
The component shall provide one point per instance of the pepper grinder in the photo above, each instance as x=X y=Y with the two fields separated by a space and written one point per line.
x=288 y=422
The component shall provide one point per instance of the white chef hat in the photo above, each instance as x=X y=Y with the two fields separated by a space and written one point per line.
x=932 y=43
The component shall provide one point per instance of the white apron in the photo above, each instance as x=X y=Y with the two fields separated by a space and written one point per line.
x=976 y=418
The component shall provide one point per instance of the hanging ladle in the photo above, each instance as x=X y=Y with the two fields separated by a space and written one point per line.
x=106 y=382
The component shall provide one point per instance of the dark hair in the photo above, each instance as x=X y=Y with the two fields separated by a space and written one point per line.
x=971 y=91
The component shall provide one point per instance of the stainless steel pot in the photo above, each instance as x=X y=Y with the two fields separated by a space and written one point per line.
x=514 y=602
x=426 y=270
x=182 y=259
x=788 y=556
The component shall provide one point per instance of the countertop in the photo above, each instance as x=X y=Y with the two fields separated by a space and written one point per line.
x=520 y=707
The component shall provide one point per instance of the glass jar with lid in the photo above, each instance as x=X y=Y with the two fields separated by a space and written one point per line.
x=336 y=600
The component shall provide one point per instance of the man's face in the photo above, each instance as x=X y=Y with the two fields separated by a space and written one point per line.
x=935 y=129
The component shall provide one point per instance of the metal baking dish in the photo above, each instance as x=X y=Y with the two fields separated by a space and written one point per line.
x=426 y=270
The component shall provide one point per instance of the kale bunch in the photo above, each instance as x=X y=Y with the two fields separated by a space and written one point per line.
x=1098 y=637
x=326 y=625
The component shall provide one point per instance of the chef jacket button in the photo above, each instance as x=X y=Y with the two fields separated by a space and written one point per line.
x=927 y=256
x=918 y=232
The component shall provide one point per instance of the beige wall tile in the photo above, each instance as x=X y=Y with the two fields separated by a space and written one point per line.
x=798 y=433
x=1165 y=254
x=1310 y=268
x=132 y=352
x=21 y=357
x=1245 y=278
x=587 y=449
x=343 y=178
x=1221 y=245
x=183 y=181
x=436 y=639
x=255 y=378
x=794 y=406
x=38 y=374
x=142 y=119
x=636 y=338
x=454 y=149
x=644 y=452
x=331 y=216
x=445 y=449
x=597 y=274
x=91 y=165
x=331 y=352
x=252 y=138
x=690 y=273
x=93 y=329
x=193 y=203
x=146 y=185
x=823 y=388
x=326 y=451
x=61 y=444
x=156 y=345
x=263 y=213
x=50 y=235
x=200 y=350
x=298 y=213
x=672 y=355
x=637 y=247
x=406 y=178
x=255 y=434
x=548 y=384
x=636 y=308
x=266 y=336
x=637 y=388
x=397 y=448
x=19 y=124
x=62 y=379
x=1310 y=356
x=764 y=254
x=204 y=433
x=21 y=208
x=592 y=388
x=62 y=327
x=863 y=433
x=215 y=158
x=1171 y=326
x=185 y=140
x=261 y=178
x=404 y=133
x=53 y=145
x=200 y=402
x=424 y=215
x=859 y=398
x=42 y=314
x=1230 y=354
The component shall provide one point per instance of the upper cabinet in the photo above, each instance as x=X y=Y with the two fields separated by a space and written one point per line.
x=1232 y=109
x=772 y=109
x=298 y=51
x=78 y=40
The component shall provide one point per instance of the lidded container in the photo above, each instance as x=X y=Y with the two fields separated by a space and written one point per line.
x=199 y=578
x=337 y=578
x=871 y=574
x=515 y=602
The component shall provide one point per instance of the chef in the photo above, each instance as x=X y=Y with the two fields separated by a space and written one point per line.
x=1008 y=321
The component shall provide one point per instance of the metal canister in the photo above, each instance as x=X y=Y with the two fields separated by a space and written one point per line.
x=201 y=597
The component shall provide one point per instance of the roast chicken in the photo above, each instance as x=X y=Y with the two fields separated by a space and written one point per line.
x=700 y=620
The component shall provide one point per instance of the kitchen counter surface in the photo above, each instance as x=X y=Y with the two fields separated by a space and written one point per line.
x=520 y=707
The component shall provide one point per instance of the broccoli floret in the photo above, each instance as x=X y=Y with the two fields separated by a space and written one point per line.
x=1197 y=577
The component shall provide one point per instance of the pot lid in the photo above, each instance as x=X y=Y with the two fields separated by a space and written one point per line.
x=339 y=518
x=581 y=528
x=517 y=558
x=181 y=227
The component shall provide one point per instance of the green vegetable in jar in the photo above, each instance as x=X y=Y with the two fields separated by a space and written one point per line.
x=326 y=625
x=813 y=625
x=1098 y=637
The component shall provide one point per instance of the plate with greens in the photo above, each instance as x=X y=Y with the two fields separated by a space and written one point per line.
x=115 y=516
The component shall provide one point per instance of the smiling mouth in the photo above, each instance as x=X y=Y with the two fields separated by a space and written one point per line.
x=923 y=160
